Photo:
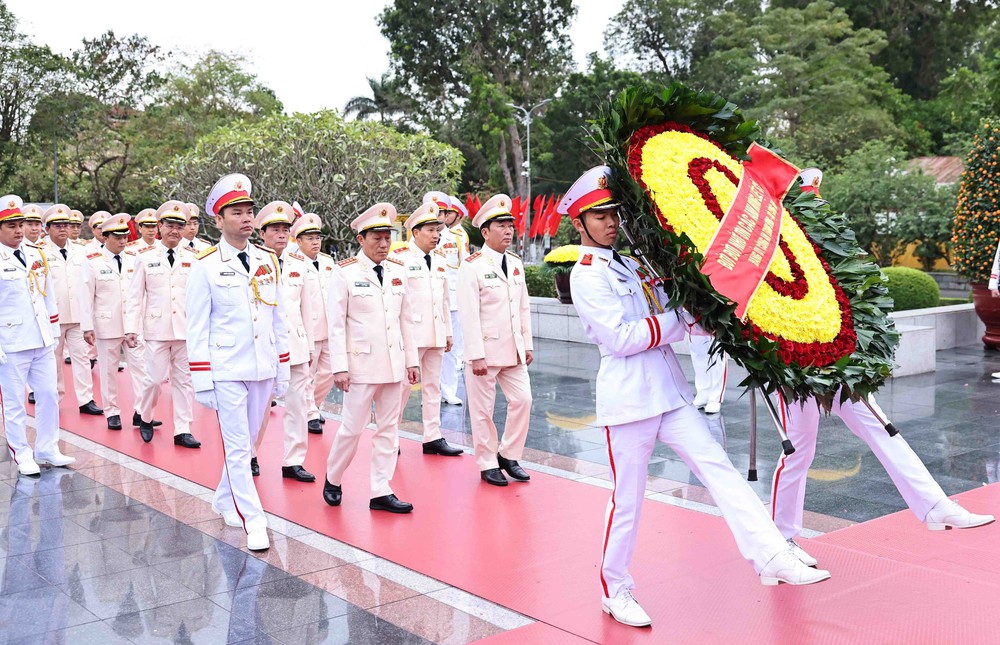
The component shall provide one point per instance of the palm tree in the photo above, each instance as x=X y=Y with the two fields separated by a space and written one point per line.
x=388 y=101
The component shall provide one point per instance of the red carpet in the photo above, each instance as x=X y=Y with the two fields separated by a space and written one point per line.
x=535 y=548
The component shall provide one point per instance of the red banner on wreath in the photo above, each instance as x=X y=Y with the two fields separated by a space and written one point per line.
x=740 y=253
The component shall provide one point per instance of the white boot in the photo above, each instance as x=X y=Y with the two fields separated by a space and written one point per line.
x=27 y=466
x=58 y=460
x=948 y=514
x=626 y=610
x=785 y=567
x=257 y=540
x=801 y=554
x=713 y=407
x=231 y=518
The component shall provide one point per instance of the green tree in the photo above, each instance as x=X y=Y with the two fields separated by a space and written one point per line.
x=468 y=60
x=977 y=212
x=389 y=103
x=890 y=205
x=333 y=167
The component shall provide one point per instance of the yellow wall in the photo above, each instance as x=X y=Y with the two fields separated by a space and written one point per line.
x=908 y=260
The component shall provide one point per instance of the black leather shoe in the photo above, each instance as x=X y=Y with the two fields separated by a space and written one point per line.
x=146 y=431
x=136 y=420
x=273 y=403
x=66 y=360
x=297 y=473
x=390 y=503
x=31 y=398
x=332 y=494
x=114 y=422
x=315 y=427
x=91 y=408
x=441 y=447
x=254 y=467
x=93 y=362
x=121 y=369
x=493 y=476
x=322 y=421
x=511 y=467
x=186 y=440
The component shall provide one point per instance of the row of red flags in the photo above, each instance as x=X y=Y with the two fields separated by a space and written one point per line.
x=544 y=218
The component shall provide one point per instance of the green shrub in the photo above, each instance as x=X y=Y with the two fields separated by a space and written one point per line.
x=540 y=282
x=946 y=302
x=911 y=289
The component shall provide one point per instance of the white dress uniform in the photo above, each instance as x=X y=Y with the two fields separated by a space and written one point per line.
x=155 y=310
x=66 y=265
x=709 y=373
x=454 y=243
x=238 y=349
x=495 y=304
x=197 y=244
x=96 y=220
x=788 y=486
x=29 y=327
x=995 y=271
x=102 y=309
x=429 y=312
x=642 y=397
x=373 y=342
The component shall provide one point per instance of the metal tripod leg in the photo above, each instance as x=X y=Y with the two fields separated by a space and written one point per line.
x=786 y=445
x=891 y=429
x=752 y=472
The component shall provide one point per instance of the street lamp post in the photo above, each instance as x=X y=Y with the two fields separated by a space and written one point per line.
x=527 y=164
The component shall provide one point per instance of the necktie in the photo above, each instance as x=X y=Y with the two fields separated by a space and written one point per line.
x=503 y=264
x=118 y=260
x=20 y=258
x=617 y=258
x=281 y=265
x=242 y=255
x=64 y=253
x=378 y=272
x=316 y=264
x=170 y=256
x=427 y=259
x=191 y=244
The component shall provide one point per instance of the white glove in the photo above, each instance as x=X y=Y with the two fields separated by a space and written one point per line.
x=280 y=388
x=3 y=357
x=207 y=399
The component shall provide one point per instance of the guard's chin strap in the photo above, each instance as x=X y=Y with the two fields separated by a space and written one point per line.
x=583 y=221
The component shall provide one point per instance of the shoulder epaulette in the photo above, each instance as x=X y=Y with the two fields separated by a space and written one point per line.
x=347 y=262
x=402 y=249
x=441 y=253
x=148 y=248
x=204 y=254
x=127 y=252
x=263 y=248
x=394 y=261
x=134 y=242
x=297 y=256
x=32 y=246
x=80 y=242
x=474 y=256
x=93 y=255
x=190 y=250
x=513 y=255
x=326 y=255
x=586 y=259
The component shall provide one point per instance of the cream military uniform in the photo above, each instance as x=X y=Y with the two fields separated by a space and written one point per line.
x=239 y=355
x=495 y=304
x=317 y=279
x=642 y=397
x=66 y=265
x=454 y=243
x=29 y=327
x=106 y=279
x=155 y=310
x=95 y=222
x=372 y=341
x=145 y=216
x=429 y=312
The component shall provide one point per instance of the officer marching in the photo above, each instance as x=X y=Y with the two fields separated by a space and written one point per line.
x=493 y=302
x=642 y=397
x=430 y=317
x=307 y=230
x=106 y=277
x=155 y=309
x=66 y=265
x=273 y=222
x=454 y=243
x=29 y=327
x=366 y=296
x=238 y=346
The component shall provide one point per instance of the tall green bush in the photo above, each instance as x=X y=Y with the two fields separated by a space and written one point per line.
x=977 y=214
x=911 y=289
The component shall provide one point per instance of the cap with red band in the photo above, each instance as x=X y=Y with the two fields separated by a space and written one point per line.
x=230 y=190
x=589 y=192
x=10 y=208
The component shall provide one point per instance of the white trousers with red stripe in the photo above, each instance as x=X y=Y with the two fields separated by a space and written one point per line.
x=630 y=446
x=709 y=371
x=35 y=368
x=242 y=405
x=430 y=392
x=788 y=487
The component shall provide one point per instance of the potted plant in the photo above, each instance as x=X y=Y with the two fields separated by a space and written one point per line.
x=559 y=262
x=976 y=228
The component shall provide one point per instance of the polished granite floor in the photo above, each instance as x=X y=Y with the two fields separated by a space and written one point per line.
x=114 y=552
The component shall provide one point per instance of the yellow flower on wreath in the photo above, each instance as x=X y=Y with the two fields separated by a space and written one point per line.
x=666 y=159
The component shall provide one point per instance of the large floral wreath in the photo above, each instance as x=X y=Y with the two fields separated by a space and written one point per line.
x=819 y=319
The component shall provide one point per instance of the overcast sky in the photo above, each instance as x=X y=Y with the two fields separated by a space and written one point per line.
x=313 y=55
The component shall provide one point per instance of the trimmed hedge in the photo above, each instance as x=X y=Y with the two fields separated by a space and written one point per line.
x=911 y=288
x=540 y=281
